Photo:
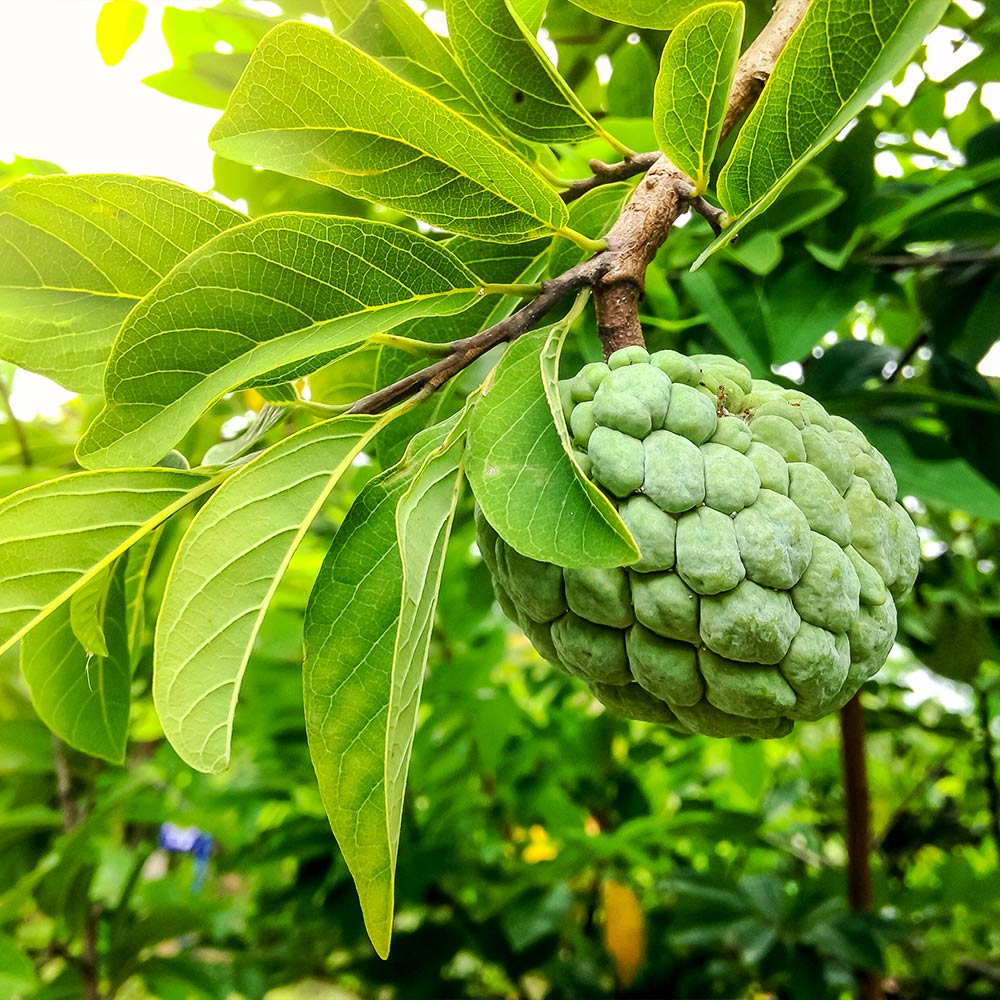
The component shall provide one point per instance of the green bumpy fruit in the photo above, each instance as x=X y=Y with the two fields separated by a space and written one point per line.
x=772 y=549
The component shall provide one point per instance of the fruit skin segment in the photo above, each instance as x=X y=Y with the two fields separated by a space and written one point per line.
x=773 y=549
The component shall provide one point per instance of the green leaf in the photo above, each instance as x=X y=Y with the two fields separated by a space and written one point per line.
x=283 y=292
x=314 y=106
x=727 y=324
x=521 y=469
x=592 y=214
x=692 y=89
x=83 y=698
x=225 y=574
x=367 y=630
x=834 y=62
x=87 y=609
x=61 y=534
x=399 y=38
x=77 y=253
x=630 y=89
x=119 y=25
x=642 y=13
x=139 y=563
x=513 y=76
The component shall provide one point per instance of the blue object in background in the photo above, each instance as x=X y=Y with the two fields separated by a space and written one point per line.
x=189 y=840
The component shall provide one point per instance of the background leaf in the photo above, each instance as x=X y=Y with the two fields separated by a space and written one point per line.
x=362 y=671
x=78 y=252
x=692 y=89
x=224 y=575
x=280 y=293
x=61 y=533
x=512 y=75
x=314 y=106
x=524 y=478
x=119 y=24
x=82 y=697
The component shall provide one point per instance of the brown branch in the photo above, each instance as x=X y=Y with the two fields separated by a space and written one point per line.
x=618 y=273
x=666 y=193
x=609 y=173
x=756 y=63
x=858 y=821
x=464 y=352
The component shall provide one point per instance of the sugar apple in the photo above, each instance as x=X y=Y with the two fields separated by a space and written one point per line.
x=772 y=548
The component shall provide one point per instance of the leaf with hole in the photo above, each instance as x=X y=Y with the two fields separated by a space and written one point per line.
x=314 y=106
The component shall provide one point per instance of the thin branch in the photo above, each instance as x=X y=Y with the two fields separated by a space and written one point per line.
x=947 y=258
x=18 y=428
x=922 y=337
x=464 y=352
x=609 y=173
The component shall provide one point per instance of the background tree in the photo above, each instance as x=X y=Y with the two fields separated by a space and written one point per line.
x=546 y=847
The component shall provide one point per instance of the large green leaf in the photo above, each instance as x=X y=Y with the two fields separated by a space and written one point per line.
x=642 y=13
x=522 y=471
x=513 y=76
x=835 y=61
x=281 y=292
x=314 y=106
x=692 y=89
x=398 y=38
x=225 y=573
x=77 y=253
x=61 y=534
x=83 y=698
x=367 y=630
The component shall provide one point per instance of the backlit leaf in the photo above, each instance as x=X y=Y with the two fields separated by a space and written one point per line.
x=57 y=536
x=285 y=291
x=119 y=24
x=225 y=573
x=838 y=57
x=83 y=698
x=314 y=106
x=642 y=13
x=78 y=252
x=692 y=88
x=512 y=75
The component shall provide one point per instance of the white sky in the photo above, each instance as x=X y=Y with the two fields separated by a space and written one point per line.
x=61 y=103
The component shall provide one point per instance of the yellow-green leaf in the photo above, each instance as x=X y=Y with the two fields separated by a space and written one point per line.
x=59 y=535
x=281 y=293
x=225 y=573
x=314 y=106
x=692 y=88
x=119 y=25
x=642 y=13
x=78 y=252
